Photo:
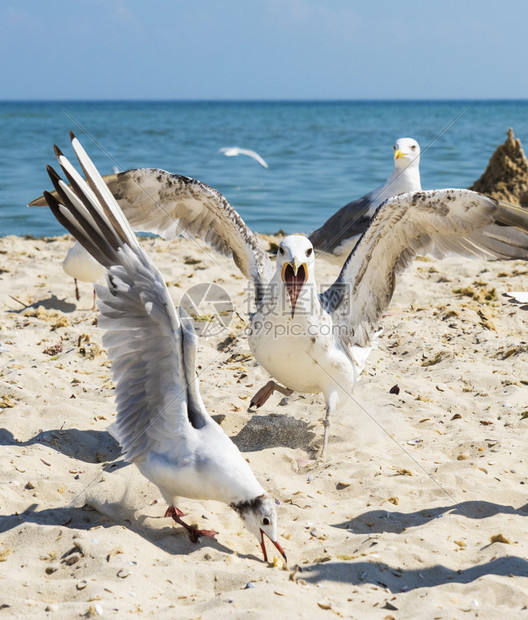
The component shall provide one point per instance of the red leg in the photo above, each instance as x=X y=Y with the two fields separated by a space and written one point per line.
x=194 y=532
x=265 y=392
x=171 y=510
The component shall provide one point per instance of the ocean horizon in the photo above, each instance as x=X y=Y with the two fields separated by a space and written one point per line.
x=261 y=100
x=321 y=154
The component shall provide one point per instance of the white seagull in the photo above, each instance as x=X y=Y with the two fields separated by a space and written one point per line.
x=336 y=238
x=162 y=425
x=308 y=340
x=233 y=151
x=81 y=265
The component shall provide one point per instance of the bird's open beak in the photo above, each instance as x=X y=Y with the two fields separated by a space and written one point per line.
x=294 y=276
x=398 y=154
x=279 y=548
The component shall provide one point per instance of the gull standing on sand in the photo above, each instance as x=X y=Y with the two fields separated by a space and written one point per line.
x=233 y=151
x=336 y=238
x=308 y=340
x=162 y=425
x=81 y=265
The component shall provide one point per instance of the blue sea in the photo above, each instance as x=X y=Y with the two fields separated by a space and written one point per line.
x=321 y=155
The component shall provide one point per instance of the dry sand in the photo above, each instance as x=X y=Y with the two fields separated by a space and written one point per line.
x=401 y=527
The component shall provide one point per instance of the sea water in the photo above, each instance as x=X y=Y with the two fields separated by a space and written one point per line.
x=321 y=155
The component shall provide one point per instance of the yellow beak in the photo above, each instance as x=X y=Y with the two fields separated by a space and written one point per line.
x=398 y=154
x=295 y=266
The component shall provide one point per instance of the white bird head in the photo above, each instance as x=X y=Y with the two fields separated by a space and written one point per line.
x=260 y=518
x=295 y=263
x=406 y=153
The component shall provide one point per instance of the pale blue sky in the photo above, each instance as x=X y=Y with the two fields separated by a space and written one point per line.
x=263 y=49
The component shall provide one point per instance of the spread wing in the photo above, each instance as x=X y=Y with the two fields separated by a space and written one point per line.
x=437 y=222
x=338 y=235
x=169 y=205
x=151 y=348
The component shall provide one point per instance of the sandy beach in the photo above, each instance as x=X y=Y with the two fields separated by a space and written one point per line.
x=422 y=515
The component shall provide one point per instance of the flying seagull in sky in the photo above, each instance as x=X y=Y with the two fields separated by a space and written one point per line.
x=233 y=151
x=336 y=238
x=319 y=342
x=162 y=425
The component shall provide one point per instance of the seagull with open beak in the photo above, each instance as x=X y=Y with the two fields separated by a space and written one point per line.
x=292 y=333
x=295 y=276
x=294 y=270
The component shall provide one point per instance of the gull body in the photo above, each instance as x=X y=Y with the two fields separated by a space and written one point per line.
x=337 y=237
x=294 y=338
x=162 y=424
x=81 y=265
x=297 y=345
x=203 y=464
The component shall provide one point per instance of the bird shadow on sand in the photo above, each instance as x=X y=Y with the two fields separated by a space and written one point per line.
x=274 y=431
x=401 y=580
x=49 y=303
x=89 y=446
x=173 y=540
x=380 y=521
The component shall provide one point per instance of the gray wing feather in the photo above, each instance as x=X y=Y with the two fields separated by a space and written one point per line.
x=147 y=344
x=168 y=204
x=153 y=355
x=349 y=222
x=512 y=215
x=437 y=222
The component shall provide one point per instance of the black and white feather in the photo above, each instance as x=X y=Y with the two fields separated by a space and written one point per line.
x=171 y=205
x=162 y=424
x=156 y=393
x=168 y=204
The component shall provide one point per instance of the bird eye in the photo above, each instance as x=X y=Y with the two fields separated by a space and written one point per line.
x=309 y=252
x=394 y=147
x=265 y=521
x=281 y=251
x=413 y=147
